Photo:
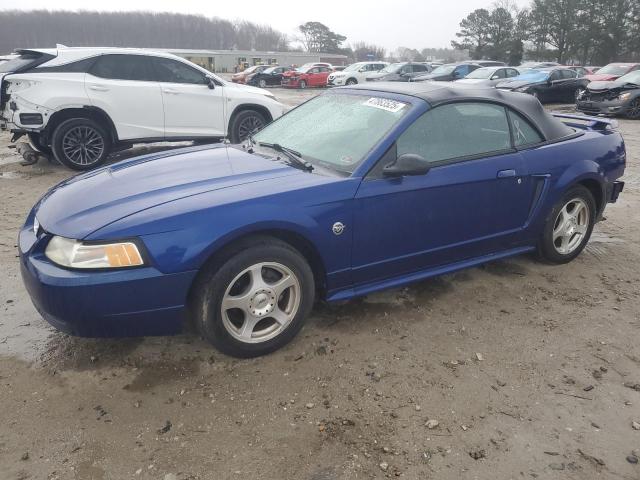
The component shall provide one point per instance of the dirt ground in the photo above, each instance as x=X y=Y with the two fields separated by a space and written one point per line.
x=512 y=370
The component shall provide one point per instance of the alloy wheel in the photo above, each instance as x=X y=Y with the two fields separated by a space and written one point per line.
x=83 y=145
x=571 y=226
x=634 y=109
x=262 y=83
x=249 y=125
x=260 y=302
x=303 y=84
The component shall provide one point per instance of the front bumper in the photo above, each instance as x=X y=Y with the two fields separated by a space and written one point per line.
x=602 y=107
x=335 y=82
x=118 y=303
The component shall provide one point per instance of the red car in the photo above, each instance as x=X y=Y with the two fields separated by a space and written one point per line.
x=306 y=77
x=612 y=71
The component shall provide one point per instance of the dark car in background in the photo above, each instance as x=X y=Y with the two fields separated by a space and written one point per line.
x=489 y=76
x=448 y=73
x=556 y=84
x=612 y=71
x=269 y=77
x=399 y=72
x=617 y=97
x=241 y=77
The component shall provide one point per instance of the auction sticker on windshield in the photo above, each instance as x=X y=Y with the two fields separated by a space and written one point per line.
x=385 y=104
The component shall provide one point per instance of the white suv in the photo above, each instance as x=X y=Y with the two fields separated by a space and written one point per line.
x=355 y=73
x=82 y=103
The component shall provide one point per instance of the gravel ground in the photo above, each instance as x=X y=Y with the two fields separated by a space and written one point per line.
x=512 y=370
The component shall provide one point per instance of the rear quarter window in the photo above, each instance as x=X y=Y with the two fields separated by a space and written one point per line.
x=523 y=132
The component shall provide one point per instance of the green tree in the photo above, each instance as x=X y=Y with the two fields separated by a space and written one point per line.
x=473 y=34
x=317 y=37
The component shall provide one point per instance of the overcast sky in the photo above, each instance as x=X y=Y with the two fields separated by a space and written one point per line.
x=407 y=23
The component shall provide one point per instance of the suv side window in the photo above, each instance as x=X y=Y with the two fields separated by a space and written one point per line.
x=406 y=69
x=523 y=132
x=420 y=68
x=122 y=67
x=171 y=71
x=457 y=130
x=377 y=67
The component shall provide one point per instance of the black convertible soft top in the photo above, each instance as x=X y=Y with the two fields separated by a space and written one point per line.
x=437 y=93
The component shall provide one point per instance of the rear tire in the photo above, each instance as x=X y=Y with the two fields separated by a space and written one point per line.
x=244 y=124
x=568 y=227
x=80 y=144
x=255 y=299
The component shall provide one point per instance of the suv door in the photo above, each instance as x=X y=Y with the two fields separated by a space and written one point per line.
x=123 y=86
x=472 y=202
x=191 y=108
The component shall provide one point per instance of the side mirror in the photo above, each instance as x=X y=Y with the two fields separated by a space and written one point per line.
x=406 y=164
x=211 y=83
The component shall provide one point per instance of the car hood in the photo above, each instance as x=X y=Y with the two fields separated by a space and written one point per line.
x=85 y=203
x=247 y=88
x=610 y=85
x=595 y=77
x=516 y=84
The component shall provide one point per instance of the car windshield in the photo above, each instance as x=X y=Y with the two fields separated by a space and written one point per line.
x=19 y=63
x=614 y=70
x=444 y=69
x=393 y=68
x=335 y=130
x=633 y=77
x=353 y=67
x=481 y=73
x=533 y=76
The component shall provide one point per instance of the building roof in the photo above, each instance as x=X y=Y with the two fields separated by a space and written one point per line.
x=437 y=93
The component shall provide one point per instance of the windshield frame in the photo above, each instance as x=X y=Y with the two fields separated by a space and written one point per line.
x=416 y=106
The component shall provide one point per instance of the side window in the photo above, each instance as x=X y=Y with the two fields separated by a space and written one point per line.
x=555 y=76
x=172 y=71
x=500 y=73
x=457 y=130
x=523 y=132
x=378 y=66
x=462 y=70
x=569 y=74
x=419 y=68
x=122 y=67
x=512 y=72
x=406 y=69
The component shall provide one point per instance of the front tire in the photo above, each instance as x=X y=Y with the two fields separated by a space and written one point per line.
x=246 y=123
x=351 y=81
x=262 y=83
x=80 y=144
x=256 y=299
x=35 y=139
x=569 y=226
x=303 y=84
x=634 y=109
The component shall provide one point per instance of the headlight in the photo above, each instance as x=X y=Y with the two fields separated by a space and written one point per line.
x=624 y=96
x=75 y=254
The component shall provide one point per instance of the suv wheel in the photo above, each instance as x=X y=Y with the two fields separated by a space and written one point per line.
x=35 y=140
x=351 y=81
x=257 y=300
x=244 y=124
x=262 y=83
x=80 y=144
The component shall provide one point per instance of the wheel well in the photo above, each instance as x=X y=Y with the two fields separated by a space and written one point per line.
x=250 y=106
x=93 y=113
x=596 y=190
x=352 y=78
x=295 y=240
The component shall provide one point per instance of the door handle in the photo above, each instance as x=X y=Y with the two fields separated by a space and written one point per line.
x=506 y=173
x=98 y=88
x=170 y=91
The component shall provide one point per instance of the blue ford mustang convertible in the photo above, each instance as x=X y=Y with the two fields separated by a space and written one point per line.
x=359 y=189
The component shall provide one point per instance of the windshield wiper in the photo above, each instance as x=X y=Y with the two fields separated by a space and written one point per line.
x=294 y=156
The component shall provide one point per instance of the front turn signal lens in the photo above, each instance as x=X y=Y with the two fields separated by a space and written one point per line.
x=75 y=254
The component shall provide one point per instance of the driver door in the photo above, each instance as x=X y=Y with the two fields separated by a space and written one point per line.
x=191 y=108
x=473 y=201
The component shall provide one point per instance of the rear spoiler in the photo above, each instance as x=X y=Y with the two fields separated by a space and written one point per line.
x=584 y=122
